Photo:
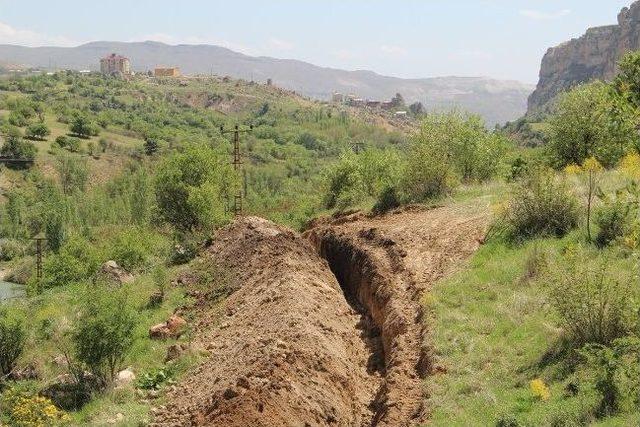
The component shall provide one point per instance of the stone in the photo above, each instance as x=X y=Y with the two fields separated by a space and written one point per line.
x=594 y=55
x=125 y=377
x=115 y=274
x=174 y=327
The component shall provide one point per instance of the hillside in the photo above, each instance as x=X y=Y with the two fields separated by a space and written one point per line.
x=497 y=101
x=594 y=55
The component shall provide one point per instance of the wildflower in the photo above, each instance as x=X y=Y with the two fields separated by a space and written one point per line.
x=539 y=389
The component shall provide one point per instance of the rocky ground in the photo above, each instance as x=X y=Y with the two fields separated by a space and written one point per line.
x=326 y=328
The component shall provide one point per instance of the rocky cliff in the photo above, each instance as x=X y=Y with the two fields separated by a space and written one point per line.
x=593 y=56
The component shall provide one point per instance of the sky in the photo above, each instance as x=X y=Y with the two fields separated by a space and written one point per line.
x=503 y=39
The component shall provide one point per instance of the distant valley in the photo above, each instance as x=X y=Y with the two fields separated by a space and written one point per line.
x=496 y=100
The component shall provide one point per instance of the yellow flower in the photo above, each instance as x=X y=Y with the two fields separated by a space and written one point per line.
x=630 y=165
x=539 y=389
x=572 y=169
x=592 y=165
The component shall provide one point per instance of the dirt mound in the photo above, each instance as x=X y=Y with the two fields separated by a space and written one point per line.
x=384 y=265
x=290 y=351
x=313 y=342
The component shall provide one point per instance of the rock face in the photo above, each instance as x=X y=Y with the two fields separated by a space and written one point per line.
x=593 y=56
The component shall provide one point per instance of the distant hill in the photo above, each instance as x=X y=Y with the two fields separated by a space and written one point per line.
x=497 y=101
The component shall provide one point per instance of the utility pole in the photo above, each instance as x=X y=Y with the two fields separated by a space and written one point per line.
x=237 y=167
x=39 y=239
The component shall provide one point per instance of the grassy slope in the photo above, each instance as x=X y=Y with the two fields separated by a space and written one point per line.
x=491 y=327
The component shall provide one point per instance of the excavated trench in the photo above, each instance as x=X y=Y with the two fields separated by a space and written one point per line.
x=391 y=324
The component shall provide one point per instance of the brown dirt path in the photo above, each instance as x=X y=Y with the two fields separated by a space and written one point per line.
x=333 y=342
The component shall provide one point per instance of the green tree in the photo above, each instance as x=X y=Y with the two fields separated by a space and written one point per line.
x=83 y=127
x=37 y=131
x=104 y=332
x=151 y=146
x=17 y=148
x=191 y=188
x=591 y=121
x=12 y=341
x=73 y=173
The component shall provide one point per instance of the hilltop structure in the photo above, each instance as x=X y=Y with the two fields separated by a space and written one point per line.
x=115 y=65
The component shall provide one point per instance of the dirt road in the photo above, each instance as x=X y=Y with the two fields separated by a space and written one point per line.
x=339 y=341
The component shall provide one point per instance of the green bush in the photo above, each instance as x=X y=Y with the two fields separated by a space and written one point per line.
x=103 y=332
x=594 y=302
x=192 y=188
x=613 y=219
x=10 y=249
x=12 y=341
x=37 y=131
x=131 y=248
x=76 y=262
x=429 y=173
x=69 y=143
x=541 y=205
x=387 y=201
x=17 y=148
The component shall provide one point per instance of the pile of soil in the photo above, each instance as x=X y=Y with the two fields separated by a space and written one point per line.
x=325 y=328
x=289 y=351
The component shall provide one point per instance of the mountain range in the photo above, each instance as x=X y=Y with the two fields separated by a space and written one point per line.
x=497 y=101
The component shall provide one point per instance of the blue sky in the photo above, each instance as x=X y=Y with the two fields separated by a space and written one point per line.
x=408 y=38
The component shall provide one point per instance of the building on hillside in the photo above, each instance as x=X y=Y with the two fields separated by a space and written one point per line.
x=115 y=65
x=167 y=72
x=373 y=104
x=337 y=98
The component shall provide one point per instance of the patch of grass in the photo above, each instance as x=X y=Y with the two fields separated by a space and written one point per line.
x=490 y=329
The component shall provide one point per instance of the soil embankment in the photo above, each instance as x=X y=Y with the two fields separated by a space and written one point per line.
x=338 y=341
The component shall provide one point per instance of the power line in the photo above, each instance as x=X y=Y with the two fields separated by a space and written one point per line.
x=237 y=166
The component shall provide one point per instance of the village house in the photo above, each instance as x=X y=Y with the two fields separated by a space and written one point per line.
x=115 y=65
x=167 y=72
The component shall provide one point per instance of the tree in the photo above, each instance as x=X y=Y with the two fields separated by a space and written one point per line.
x=591 y=121
x=151 y=146
x=416 y=108
x=103 y=333
x=12 y=341
x=627 y=82
x=17 y=148
x=191 y=188
x=398 y=100
x=37 y=131
x=73 y=173
x=83 y=127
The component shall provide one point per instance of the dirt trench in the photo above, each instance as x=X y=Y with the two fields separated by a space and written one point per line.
x=325 y=329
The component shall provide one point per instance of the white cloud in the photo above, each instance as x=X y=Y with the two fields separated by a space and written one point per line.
x=12 y=35
x=279 y=44
x=544 y=16
x=394 y=50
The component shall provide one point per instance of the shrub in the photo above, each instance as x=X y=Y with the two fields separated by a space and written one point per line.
x=26 y=409
x=73 y=173
x=613 y=219
x=69 y=143
x=156 y=378
x=541 y=205
x=12 y=340
x=387 y=201
x=429 y=173
x=132 y=248
x=191 y=188
x=83 y=127
x=37 y=131
x=103 y=332
x=18 y=149
x=75 y=262
x=593 y=303
x=10 y=249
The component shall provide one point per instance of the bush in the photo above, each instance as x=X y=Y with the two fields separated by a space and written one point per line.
x=10 y=249
x=17 y=148
x=429 y=173
x=131 y=249
x=613 y=219
x=541 y=205
x=83 y=127
x=594 y=304
x=12 y=340
x=103 y=333
x=26 y=409
x=75 y=262
x=69 y=143
x=191 y=188
x=37 y=131
x=387 y=201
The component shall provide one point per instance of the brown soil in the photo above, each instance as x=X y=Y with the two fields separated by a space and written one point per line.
x=309 y=342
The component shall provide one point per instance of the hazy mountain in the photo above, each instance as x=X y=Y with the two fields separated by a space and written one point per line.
x=498 y=101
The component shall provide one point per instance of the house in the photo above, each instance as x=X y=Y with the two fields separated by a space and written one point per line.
x=115 y=65
x=337 y=98
x=167 y=72
x=373 y=104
